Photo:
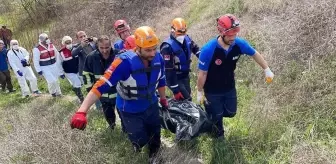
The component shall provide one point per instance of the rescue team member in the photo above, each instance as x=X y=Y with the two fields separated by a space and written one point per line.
x=137 y=76
x=123 y=30
x=95 y=65
x=69 y=64
x=18 y=58
x=129 y=43
x=217 y=63
x=176 y=51
x=45 y=57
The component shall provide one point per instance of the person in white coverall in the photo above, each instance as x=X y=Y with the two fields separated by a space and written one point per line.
x=45 y=60
x=69 y=64
x=18 y=58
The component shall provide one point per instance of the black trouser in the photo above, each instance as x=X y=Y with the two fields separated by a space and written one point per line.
x=184 y=86
x=78 y=93
x=108 y=109
x=219 y=106
x=5 y=80
x=144 y=128
x=110 y=116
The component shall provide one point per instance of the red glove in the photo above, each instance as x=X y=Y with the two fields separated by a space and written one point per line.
x=78 y=120
x=164 y=104
x=178 y=96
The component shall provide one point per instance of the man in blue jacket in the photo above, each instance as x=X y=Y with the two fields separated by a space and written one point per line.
x=217 y=63
x=137 y=75
x=177 y=52
x=5 y=78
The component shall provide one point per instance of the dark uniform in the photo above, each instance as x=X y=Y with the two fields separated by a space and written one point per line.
x=94 y=68
x=136 y=100
x=219 y=87
x=177 y=59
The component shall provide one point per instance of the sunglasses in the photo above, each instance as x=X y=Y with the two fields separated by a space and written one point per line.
x=121 y=26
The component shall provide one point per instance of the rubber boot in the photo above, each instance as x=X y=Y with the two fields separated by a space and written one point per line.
x=79 y=94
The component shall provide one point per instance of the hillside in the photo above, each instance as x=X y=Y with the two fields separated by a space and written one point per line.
x=292 y=120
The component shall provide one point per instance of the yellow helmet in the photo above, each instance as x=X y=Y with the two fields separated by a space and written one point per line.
x=145 y=37
x=179 y=26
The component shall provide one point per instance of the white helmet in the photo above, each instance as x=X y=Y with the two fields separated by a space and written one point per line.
x=66 y=38
x=43 y=37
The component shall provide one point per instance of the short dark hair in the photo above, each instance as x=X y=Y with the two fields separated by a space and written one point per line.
x=103 y=38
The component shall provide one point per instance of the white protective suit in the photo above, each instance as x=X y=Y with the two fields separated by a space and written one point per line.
x=14 y=58
x=50 y=72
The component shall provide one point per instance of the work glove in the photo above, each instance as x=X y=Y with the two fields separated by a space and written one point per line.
x=178 y=96
x=269 y=75
x=78 y=120
x=164 y=104
x=200 y=97
x=40 y=73
x=20 y=73
x=62 y=76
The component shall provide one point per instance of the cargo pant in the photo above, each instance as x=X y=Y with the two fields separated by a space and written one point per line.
x=144 y=128
x=219 y=106
x=109 y=113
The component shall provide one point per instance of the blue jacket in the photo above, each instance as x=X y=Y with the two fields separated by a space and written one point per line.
x=177 y=59
x=136 y=84
x=119 y=45
x=182 y=53
x=3 y=60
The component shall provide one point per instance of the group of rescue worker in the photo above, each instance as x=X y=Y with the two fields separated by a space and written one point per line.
x=132 y=75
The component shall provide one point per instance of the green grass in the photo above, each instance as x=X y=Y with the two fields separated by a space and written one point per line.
x=16 y=97
x=254 y=136
x=111 y=145
x=275 y=123
x=28 y=35
x=200 y=11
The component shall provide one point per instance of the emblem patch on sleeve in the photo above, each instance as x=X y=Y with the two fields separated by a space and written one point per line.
x=166 y=57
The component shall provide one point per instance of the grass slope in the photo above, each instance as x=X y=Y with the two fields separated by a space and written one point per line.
x=289 y=121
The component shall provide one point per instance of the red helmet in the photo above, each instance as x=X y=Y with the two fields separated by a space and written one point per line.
x=121 y=26
x=129 y=43
x=228 y=24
